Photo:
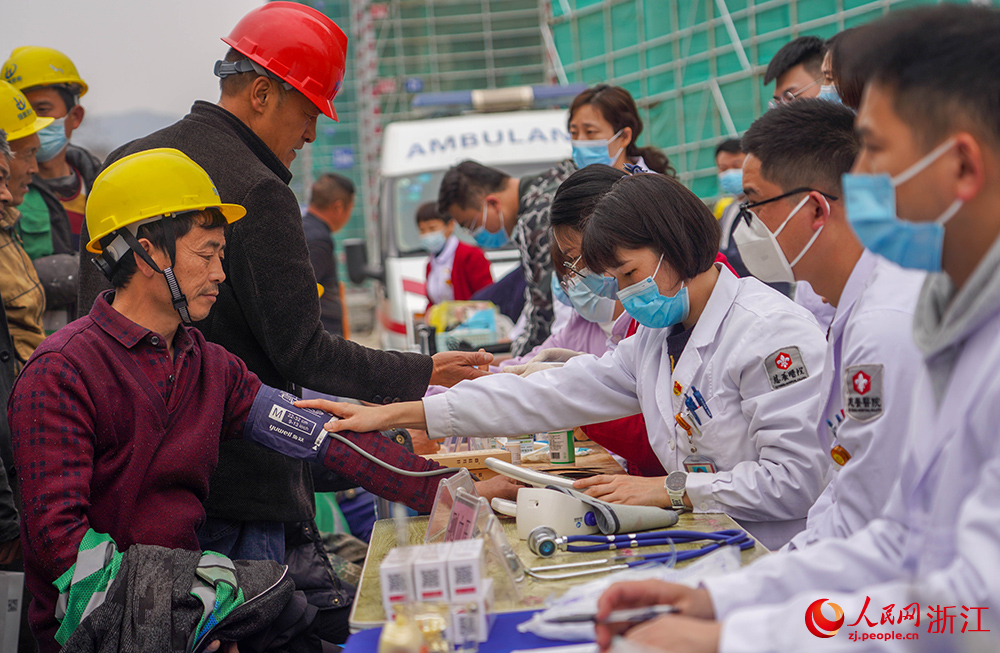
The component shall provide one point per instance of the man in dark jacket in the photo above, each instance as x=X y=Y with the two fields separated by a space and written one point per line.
x=331 y=200
x=52 y=211
x=268 y=311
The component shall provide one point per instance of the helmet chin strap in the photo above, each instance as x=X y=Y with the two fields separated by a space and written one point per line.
x=176 y=296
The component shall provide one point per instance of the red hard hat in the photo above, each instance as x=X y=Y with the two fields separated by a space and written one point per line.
x=298 y=44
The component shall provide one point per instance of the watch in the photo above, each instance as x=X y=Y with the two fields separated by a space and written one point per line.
x=675 y=485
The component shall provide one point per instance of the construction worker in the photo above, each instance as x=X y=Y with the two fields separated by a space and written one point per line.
x=52 y=211
x=286 y=65
x=24 y=299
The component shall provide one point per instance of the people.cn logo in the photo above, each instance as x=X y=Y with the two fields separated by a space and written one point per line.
x=819 y=625
x=862 y=383
x=783 y=361
x=9 y=71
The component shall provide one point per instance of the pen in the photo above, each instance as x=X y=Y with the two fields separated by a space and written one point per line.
x=692 y=408
x=633 y=616
x=701 y=401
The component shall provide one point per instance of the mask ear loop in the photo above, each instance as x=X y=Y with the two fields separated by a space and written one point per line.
x=815 y=235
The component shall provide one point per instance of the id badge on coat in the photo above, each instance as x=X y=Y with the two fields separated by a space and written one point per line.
x=698 y=463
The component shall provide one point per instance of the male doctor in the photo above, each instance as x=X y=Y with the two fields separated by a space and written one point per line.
x=930 y=128
x=795 y=157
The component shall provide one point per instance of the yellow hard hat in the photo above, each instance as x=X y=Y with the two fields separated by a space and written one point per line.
x=147 y=185
x=17 y=118
x=33 y=65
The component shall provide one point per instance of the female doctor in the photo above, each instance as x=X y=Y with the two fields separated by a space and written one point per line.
x=724 y=370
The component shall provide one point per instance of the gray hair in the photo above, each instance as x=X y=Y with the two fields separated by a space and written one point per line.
x=5 y=146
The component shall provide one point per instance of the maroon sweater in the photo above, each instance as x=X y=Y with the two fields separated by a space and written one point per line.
x=110 y=434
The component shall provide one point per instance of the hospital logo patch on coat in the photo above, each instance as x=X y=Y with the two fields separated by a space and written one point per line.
x=785 y=367
x=863 y=392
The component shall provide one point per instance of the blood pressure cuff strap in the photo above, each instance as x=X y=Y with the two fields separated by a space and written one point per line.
x=276 y=423
x=615 y=518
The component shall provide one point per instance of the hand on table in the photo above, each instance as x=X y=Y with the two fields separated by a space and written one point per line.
x=499 y=486
x=362 y=419
x=450 y=367
x=692 y=604
x=677 y=635
x=10 y=551
x=625 y=489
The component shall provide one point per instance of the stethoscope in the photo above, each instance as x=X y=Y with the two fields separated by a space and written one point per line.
x=544 y=542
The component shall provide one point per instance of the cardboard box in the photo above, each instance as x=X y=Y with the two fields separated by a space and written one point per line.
x=396 y=574
x=11 y=583
x=472 y=618
x=465 y=569
x=430 y=572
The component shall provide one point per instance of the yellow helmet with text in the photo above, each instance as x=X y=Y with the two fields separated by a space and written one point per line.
x=17 y=118
x=33 y=65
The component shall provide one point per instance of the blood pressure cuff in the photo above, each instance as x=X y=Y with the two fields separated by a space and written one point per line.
x=276 y=423
x=615 y=518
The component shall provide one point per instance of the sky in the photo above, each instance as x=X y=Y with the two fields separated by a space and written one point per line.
x=151 y=55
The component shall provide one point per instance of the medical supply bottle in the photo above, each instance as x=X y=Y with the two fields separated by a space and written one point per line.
x=562 y=449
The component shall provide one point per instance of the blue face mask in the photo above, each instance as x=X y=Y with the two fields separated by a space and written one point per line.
x=649 y=308
x=586 y=153
x=558 y=293
x=731 y=181
x=53 y=140
x=433 y=242
x=600 y=285
x=591 y=306
x=829 y=93
x=870 y=203
x=487 y=239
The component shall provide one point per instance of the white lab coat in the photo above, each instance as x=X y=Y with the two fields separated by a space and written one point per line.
x=873 y=327
x=939 y=535
x=763 y=441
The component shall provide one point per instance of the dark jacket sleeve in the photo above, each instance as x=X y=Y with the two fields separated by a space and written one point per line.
x=92 y=281
x=272 y=279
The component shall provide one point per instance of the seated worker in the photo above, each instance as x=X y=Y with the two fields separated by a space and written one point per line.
x=738 y=363
x=930 y=149
x=455 y=270
x=796 y=155
x=144 y=400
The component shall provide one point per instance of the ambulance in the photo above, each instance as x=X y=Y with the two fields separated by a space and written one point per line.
x=415 y=156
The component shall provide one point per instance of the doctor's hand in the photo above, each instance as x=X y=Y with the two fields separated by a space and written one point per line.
x=691 y=603
x=677 y=634
x=527 y=369
x=450 y=367
x=628 y=490
x=361 y=419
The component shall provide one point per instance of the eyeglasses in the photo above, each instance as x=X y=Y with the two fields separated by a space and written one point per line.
x=571 y=267
x=788 y=96
x=745 y=207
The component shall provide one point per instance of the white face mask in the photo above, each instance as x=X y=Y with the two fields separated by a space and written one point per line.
x=760 y=250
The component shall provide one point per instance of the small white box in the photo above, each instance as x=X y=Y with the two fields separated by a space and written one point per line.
x=472 y=618
x=396 y=573
x=465 y=569
x=430 y=572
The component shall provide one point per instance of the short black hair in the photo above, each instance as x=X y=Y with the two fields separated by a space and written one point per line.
x=158 y=235
x=654 y=211
x=577 y=196
x=328 y=188
x=429 y=211
x=808 y=143
x=730 y=146
x=805 y=50
x=468 y=183
x=940 y=65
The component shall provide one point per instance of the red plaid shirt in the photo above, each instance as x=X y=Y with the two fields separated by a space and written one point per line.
x=109 y=433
